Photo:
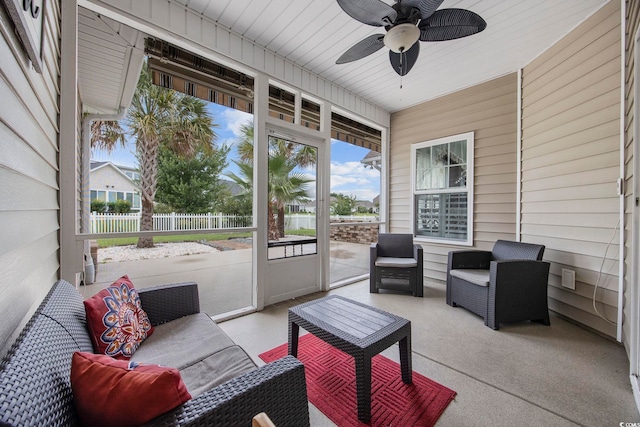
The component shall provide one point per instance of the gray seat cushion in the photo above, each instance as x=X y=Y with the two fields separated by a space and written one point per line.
x=477 y=277
x=198 y=348
x=216 y=369
x=396 y=262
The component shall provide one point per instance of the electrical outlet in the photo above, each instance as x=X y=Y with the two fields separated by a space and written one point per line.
x=569 y=279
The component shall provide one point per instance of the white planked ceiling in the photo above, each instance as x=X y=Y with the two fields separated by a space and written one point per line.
x=108 y=62
x=313 y=34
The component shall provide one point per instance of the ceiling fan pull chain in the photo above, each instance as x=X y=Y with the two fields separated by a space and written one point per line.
x=401 y=70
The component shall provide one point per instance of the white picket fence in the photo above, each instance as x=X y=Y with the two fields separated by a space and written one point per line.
x=126 y=223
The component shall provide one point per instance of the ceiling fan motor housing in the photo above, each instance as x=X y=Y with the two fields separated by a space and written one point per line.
x=401 y=37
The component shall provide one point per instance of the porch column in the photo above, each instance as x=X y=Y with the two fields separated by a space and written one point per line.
x=71 y=262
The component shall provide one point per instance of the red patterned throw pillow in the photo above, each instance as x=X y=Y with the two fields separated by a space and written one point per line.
x=116 y=321
x=110 y=392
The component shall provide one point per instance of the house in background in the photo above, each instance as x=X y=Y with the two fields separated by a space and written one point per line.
x=372 y=160
x=110 y=182
x=370 y=207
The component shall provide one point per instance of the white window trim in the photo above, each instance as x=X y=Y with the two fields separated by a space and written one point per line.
x=469 y=137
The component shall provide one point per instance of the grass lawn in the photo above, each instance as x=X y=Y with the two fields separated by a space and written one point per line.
x=311 y=232
x=122 y=241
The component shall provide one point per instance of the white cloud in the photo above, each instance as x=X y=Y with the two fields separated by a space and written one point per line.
x=345 y=168
x=338 y=181
x=354 y=179
x=365 y=194
x=234 y=119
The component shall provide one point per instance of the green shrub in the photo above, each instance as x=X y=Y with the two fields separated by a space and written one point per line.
x=119 y=206
x=162 y=208
x=99 y=206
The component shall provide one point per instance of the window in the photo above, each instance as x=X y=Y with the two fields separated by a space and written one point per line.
x=442 y=184
x=98 y=195
x=135 y=176
x=112 y=196
x=134 y=199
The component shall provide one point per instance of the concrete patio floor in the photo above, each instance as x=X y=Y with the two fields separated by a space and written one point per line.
x=525 y=374
x=224 y=278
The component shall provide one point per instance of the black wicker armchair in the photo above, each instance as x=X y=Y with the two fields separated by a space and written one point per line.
x=507 y=284
x=35 y=388
x=396 y=264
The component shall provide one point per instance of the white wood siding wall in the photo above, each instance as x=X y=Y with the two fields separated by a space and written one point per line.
x=632 y=25
x=173 y=22
x=570 y=163
x=489 y=110
x=28 y=174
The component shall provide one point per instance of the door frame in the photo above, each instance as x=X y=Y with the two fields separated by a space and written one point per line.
x=634 y=338
x=278 y=273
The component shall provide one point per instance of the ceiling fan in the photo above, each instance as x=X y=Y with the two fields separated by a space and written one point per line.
x=406 y=22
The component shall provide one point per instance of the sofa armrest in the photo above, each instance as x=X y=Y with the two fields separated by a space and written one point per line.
x=169 y=302
x=469 y=259
x=278 y=388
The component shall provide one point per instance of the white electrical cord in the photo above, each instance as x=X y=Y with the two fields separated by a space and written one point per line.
x=595 y=288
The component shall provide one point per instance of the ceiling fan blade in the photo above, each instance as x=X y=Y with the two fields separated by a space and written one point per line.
x=403 y=62
x=370 y=12
x=363 y=48
x=426 y=7
x=449 y=24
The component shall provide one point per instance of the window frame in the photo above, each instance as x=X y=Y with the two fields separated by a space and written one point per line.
x=469 y=137
x=136 y=202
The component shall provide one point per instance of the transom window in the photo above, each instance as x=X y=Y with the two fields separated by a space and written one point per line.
x=442 y=180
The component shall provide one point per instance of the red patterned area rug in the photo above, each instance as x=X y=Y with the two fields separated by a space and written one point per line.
x=331 y=386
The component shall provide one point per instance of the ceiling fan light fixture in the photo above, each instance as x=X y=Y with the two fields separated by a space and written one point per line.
x=401 y=37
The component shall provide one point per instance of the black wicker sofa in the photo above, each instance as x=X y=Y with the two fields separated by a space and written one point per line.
x=35 y=388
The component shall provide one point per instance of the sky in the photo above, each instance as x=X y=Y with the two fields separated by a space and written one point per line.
x=348 y=175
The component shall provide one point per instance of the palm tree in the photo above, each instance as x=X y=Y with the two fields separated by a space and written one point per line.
x=285 y=185
x=245 y=143
x=105 y=135
x=296 y=155
x=161 y=117
x=284 y=157
x=244 y=179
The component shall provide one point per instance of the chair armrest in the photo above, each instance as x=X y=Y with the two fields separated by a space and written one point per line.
x=165 y=303
x=513 y=280
x=418 y=253
x=373 y=250
x=278 y=388
x=469 y=259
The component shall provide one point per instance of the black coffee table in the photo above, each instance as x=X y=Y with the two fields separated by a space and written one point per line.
x=357 y=329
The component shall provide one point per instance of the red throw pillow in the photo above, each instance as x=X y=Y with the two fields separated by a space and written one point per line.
x=110 y=392
x=116 y=321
